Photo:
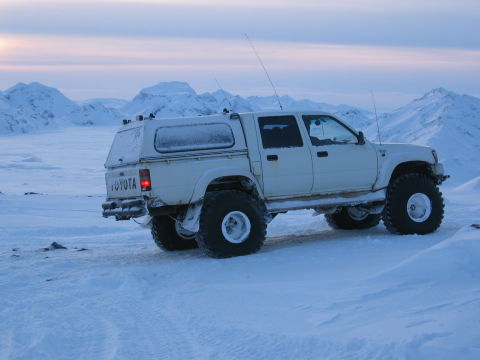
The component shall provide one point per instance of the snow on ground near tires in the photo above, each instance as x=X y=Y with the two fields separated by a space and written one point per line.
x=310 y=293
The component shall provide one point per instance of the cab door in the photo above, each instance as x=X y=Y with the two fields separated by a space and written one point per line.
x=340 y=163
x=286 y=160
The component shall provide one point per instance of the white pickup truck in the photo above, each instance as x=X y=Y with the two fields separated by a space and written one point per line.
x=217 y=181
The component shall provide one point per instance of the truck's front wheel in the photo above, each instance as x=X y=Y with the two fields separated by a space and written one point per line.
x=232 y=223
x=414 y=205
x=169 y=236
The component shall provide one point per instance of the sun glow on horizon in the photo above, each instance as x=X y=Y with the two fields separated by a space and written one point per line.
x=119 y=64
x=4 y=45
x=51 y=52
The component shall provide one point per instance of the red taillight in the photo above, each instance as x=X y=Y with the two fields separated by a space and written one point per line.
x=145 y=183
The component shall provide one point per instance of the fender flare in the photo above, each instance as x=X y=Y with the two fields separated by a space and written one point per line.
x=212 y=174
x=390 y=164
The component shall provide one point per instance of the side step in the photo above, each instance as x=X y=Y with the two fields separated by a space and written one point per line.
x=347 y=199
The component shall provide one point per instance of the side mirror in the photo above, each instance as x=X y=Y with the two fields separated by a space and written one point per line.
x=361 y=138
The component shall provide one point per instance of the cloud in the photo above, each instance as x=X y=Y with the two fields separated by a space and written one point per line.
x=380 y=6
x=439 y=23
x=40 y=52
x=324 y=50
x=93 y=66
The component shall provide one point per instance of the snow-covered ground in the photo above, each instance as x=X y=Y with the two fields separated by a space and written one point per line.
x=63 y=161
x=310 y=293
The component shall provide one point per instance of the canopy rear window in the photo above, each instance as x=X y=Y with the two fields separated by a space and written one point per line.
x=193 y=137
x=126 y=147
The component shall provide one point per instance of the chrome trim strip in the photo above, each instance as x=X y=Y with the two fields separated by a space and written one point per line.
x=193 y=155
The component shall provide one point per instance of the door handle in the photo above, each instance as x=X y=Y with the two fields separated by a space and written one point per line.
x=272 y=157
x=322 y=153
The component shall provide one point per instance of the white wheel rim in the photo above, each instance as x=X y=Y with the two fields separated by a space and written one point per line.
x=184 y=234
x=419 y=207
x=357 y=214
x=236 y=227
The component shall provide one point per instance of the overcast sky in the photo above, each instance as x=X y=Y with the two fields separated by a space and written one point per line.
x=330 y=51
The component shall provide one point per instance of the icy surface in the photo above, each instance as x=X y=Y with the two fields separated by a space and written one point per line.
x=64 y=161
x=472 y=185
x=310 y=293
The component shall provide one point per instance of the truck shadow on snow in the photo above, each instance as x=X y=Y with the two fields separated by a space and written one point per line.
x=346 y=239
x=322 y=237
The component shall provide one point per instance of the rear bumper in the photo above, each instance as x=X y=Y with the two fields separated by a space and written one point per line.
x=124 y=209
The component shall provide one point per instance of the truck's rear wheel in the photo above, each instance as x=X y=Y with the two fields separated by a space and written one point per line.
x=232 y=223
x=350 y=218
x=414 y=205
x=169 y=236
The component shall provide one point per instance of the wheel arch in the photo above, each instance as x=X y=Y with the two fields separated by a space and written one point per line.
x=398 y=165
x=410 y=167
x=226 y=179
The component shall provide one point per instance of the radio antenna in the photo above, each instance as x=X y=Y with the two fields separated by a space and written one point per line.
x=225 y=95
x=265 y=69
x=376 y=117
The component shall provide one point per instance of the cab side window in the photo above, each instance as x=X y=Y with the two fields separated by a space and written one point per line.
x=325 y=130
x=280 y=132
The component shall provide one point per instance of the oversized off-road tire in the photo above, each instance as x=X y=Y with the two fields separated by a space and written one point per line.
x=169 y=236
x=232 y=223
x=414 y=205
x=351 y=218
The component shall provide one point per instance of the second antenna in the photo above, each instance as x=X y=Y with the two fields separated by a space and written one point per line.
x=266 y=72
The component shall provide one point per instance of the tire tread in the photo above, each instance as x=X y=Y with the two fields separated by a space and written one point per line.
x=165 y=236
x=414 y=178
x=209 y=203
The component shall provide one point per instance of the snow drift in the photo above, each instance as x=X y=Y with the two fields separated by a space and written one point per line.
x=470 y=186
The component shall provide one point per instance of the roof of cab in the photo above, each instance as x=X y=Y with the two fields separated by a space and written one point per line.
x=223 y=116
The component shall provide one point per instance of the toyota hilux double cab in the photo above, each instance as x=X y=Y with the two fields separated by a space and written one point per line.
x=216 y=181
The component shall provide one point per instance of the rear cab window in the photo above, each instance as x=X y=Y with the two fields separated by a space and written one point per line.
x=279 y=132
x=193 y=137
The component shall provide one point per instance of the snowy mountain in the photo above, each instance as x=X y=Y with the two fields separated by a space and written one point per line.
x=168 y=99
x=222 y=99
x=447 y=121
x=175 y=98
x=107 y=102
x=353 y=116
x=442 y=119
x=27 y=107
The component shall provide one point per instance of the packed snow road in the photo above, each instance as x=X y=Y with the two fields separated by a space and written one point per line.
x=310 y=293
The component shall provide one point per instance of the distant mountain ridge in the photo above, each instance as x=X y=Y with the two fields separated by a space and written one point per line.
x=447 y=121
x=29 y=107
x=444 y=120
